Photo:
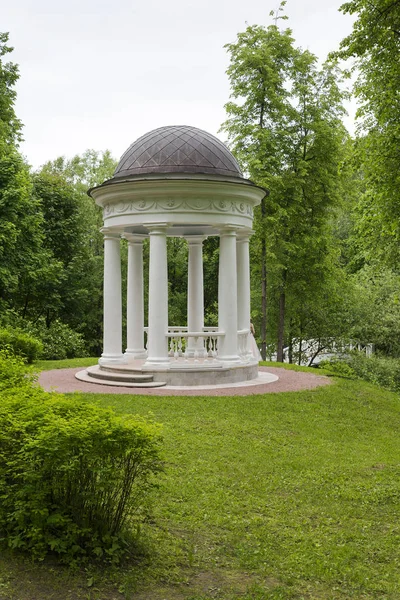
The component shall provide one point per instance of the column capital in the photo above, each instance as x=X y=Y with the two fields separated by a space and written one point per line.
x=228 y=231
x=195 y=239
x=157 y=228
x=134 y=238
x=110 y=234
x=244 y=236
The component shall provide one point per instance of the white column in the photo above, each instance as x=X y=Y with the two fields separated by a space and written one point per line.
x=227 y=297
x=195 y=300
x=157 y=345
x=135 y=301
x=243 y=284
x=112 y=307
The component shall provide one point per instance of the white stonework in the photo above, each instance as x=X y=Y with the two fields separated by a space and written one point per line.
x=195 y=295
x=227 y=297
x=165 y=202
x=243 y=286
x=157 y=347
x=135 y=301
x=112 y=348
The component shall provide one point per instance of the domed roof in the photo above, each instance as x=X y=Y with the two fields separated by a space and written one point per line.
x=177 y=149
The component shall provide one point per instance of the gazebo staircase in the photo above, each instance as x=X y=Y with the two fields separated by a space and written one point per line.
x=120 y=376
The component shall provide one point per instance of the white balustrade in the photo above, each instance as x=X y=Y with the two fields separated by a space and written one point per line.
x=243 y=344
x=204 y=352
x=178 y=338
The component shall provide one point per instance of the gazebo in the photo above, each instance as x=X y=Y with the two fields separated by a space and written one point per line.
x=176 y=181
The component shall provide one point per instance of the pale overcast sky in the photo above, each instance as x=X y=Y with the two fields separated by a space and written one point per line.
x=100 y=73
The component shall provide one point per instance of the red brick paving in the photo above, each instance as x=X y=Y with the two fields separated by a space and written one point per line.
x=63 y=380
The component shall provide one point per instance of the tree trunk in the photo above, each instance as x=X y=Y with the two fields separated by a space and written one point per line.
x=25 y=306
x=290 y=349
x=263 y=302
x=281 y=326
x=263 y=287
x=300 y=350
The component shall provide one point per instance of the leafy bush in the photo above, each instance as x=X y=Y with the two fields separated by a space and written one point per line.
x=338 y=366
x=13 y=372
x=380 y=370
x=59 y=341
x=20 y=344
x=73 y=476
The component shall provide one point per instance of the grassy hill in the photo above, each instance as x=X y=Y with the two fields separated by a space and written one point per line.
x=281 y=496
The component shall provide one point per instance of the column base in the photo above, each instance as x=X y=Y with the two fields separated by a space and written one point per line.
x=228 y=360
x=157 y=362
x=139 y=353
x=114 y=359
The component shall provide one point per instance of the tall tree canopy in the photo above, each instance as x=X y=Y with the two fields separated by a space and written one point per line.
x=72 y=231
x=24 y=263
x=284 y=125
x=10 y=126
x=374 y=47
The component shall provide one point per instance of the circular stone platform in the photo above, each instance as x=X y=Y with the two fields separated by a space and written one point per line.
x=187 y=372
x=64 y=381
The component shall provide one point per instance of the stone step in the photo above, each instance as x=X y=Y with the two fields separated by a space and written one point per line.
x=120 y=369
x=95 y=375
x=132 y=377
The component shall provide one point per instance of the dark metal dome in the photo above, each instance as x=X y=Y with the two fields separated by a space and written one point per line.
x=177 y=149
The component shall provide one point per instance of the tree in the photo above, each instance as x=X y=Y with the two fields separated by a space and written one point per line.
x=284 y=125
x=73 y=231
x=25 y=266
x=10 y=126
x=378 y=309
x=374 y=47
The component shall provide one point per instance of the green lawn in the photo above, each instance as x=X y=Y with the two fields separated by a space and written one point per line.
x=291 y=495
x=68 y=363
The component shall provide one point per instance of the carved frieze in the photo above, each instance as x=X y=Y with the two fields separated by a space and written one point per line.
x=173 y=204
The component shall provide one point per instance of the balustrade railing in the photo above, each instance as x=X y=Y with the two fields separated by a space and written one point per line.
x=244 y=350
x=201 y=346
x=196 y=345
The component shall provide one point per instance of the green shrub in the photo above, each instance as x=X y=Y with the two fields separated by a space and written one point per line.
x=338 y=366
x=13 y=372
x=59 y=341
x=20 y=344
x=380 y=370
x=73 y=476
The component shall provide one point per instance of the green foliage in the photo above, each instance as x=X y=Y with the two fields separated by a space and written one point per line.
x=66 y=363
x=10 y=126
x=374 y=48
x=13 y=372
x=289 y=495
x=28 y=269
x=377 y=309
x=338 y=367
x=59 y=341
x=20 y=344
x=285 y=127
x=78 y=299
x=60 y=210
x=73 y=476
x=296 y=492
x=380 y=370
x=24 y=263
x=83 y=171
